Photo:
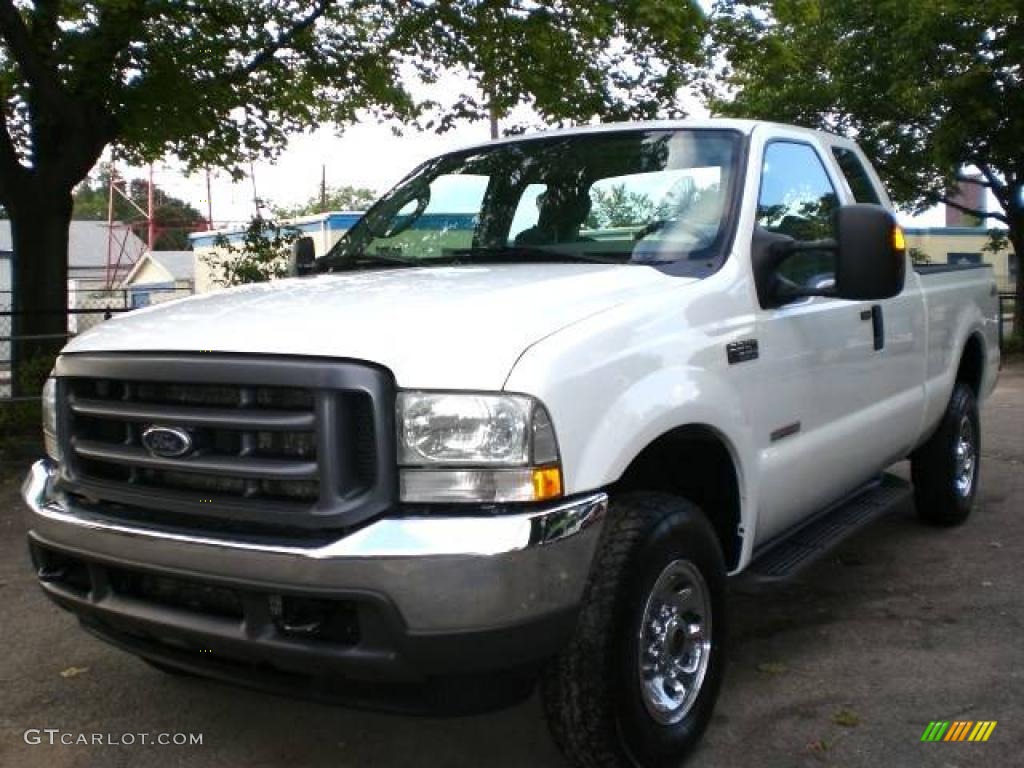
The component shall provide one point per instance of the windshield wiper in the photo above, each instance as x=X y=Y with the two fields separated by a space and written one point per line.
x=503 y=253
x=366 y=259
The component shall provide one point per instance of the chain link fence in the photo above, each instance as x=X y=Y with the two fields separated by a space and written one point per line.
x=87 y=308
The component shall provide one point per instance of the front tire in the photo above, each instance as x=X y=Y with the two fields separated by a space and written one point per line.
x=945 y=469
x=638 y=681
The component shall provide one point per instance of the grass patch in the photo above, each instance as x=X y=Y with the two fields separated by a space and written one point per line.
x=846 y=718
x=819 y=746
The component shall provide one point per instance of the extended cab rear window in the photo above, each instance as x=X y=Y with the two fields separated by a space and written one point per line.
x=856 y=176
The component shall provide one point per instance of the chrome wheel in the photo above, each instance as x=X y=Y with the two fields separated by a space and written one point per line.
x=675 y=642
x=966 y=458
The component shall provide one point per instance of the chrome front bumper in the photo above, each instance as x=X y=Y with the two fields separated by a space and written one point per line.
x=442 y=574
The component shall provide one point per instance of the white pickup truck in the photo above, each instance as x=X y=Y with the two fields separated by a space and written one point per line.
x=520 y=423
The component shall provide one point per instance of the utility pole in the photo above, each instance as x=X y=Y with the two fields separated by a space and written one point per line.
x=323 y=188
x=113 y=271
x=209 y=202
x=151 y=221
x=109 y=277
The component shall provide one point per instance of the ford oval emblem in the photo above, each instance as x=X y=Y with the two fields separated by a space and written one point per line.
x=167 y=442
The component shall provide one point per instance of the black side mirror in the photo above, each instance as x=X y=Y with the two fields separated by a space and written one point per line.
x=870 y=258
x=303 y=257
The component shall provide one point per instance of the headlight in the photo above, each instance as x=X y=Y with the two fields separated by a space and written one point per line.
x=49 y=408
x=456 y=447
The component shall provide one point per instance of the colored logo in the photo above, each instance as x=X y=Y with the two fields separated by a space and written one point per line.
x=167 y=442
x=958 y=730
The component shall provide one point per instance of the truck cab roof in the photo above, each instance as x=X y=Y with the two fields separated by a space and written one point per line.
x=746 y=127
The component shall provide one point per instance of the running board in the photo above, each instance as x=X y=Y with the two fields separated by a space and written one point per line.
x=785 y=557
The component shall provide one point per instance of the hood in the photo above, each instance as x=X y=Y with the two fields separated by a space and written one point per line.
x=435 y=327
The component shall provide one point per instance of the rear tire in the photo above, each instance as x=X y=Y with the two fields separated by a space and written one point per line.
x=638 y=681
x=945 y=469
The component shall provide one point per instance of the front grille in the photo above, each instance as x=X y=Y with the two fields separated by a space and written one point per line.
x=259 y=448
x=225 y=422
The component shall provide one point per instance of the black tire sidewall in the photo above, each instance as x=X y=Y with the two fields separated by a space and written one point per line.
x=682 y=535
x=965 y=404
x=934 y=465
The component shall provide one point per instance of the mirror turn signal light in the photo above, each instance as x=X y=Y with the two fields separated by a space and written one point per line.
x=899 y=240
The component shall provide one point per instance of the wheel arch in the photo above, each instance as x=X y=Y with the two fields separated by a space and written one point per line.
x=699 y=463
x=971 y=368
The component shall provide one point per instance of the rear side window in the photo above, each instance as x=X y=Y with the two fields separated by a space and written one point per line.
x=856 y=175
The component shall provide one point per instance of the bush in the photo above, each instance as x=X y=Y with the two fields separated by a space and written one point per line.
x=263 y=254
x=1013 y=345
x=21 y=418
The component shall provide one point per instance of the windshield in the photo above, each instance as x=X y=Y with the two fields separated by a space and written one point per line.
x=635 y=197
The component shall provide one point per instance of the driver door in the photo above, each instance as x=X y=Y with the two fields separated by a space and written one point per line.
x=815 y=353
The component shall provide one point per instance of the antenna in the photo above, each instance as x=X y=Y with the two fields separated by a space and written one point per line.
x=114 y=261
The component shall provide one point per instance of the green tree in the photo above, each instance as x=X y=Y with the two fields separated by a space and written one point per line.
x=219 y=82
x=344 y=198
x=930 y=88
x=618 y=59
x=262 y=255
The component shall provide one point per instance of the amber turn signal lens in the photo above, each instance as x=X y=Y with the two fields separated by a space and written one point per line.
x=899 y=242
x=547 y=483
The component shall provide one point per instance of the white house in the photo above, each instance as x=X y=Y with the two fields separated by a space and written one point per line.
x=160 y=276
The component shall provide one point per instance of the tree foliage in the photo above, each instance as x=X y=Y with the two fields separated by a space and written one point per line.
x=343 y=198
x=218 y=82
x=261 y=255
x=930 y=88
x=566 y=59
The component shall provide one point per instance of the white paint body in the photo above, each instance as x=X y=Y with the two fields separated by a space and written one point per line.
x=621 y=355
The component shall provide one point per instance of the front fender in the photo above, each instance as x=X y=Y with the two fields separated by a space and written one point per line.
x=616 y=385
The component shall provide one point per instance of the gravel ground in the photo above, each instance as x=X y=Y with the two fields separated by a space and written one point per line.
x=900 y=626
